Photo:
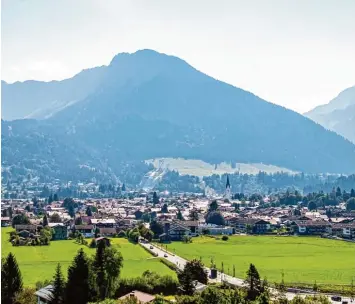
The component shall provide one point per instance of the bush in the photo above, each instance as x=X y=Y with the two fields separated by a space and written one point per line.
x=169 y=264
x=150 y=282
x=186 y=239
x=225 y=238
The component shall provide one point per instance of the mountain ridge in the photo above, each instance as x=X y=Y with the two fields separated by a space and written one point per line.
x=148 y=105
x=338 y=115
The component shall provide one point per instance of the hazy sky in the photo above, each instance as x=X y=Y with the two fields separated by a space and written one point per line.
x=296 y=53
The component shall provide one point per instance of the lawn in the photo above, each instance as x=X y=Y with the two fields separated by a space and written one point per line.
x=302 y=259
x=38 y=263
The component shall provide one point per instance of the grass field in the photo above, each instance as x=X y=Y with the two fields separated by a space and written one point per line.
x=201 y=168
x=302 y=259
x=38 y=263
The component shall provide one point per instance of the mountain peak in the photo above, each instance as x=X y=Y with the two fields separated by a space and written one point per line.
x=144 y=54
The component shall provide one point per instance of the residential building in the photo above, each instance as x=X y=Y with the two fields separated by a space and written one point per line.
x=60 y=231
x=141 y=297
x=312 y=227
x=85 y=230
x=44 y=295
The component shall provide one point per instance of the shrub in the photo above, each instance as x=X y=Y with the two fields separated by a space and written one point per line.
x=225 y=238
x=150 y=282
x=169 y=264
x=187 y=239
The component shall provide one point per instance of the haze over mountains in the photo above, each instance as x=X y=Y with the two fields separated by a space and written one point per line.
x=148 y=105
x=338 y=115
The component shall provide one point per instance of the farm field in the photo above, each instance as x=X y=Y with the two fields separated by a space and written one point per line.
x=302 y=259
x=38 y=263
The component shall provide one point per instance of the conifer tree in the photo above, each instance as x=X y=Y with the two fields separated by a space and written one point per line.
x=80 y=286
x=45 y=221
x=253 y=282
x=58 y=286
x=99 y=269
x=179 y=216
x=88 y=211
x=11 y=279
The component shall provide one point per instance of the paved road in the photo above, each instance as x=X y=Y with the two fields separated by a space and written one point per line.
x=180 y=263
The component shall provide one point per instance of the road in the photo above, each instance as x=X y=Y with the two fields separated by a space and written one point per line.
x=180 y=263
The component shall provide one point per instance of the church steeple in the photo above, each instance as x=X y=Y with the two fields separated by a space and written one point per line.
x=228 y=193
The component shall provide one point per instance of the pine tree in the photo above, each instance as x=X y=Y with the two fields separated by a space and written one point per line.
x=50 y=199
x=99 y=269
x=55 y=197
x=88 y=211
x=164 y=209
x=45 y=221
x=179 y=216
x=155 y=198
x=11 y=279
x=80 y=286
x=58 y=286
x=253 y=282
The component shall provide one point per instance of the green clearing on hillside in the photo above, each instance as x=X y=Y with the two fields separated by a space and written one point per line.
x=38 y=263
x=200 y=168
x=302 y=259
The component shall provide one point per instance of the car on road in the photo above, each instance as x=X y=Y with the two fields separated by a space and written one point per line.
x=336 y=298
x=165 y=255
x=151 y=247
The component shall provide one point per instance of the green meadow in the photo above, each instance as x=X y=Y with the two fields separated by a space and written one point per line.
x=38 y=263
x=301 y=259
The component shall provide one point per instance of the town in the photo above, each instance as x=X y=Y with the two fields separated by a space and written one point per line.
x=160 y=222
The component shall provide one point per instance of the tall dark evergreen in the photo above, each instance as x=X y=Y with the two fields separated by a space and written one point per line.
x=50 y=198
x=58 y=287
x=80 y=288
x=164 y=209
x=99 y=269
x=45 y=220
x=11 y=279
x=55 y=197
x=179 y=216
x=338 y=192
x=253 y=282
x=88 y=211
x=213 y=206
x=155 y=198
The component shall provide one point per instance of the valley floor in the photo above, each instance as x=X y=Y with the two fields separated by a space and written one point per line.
x=37 y=263
x=301 y=259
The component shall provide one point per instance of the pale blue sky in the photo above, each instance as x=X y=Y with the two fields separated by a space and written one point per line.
x=296 y=53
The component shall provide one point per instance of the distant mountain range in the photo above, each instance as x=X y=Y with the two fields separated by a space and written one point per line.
x=149 y=105
x=338 y=115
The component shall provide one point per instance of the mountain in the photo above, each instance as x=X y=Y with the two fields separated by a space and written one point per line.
x=338 y=115
x=149 y=105
x=40 y=100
